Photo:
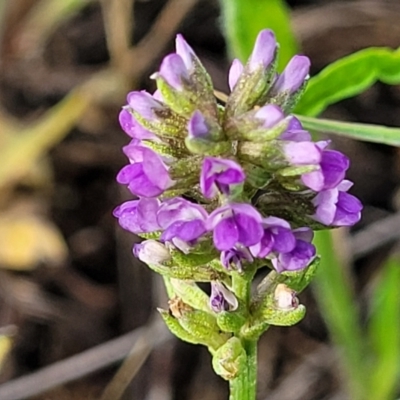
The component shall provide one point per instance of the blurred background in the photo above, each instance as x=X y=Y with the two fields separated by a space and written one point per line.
x=68 y=281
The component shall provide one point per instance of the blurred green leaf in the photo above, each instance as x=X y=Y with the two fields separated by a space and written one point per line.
x=244 y=19
x=384 y=333
x=367 y=132
x=337 y=305
x=349 y=77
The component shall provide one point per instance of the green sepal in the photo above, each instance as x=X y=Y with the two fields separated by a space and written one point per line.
x=250 y=90
x=199 y=274
x=297 y=170
x=230 y=359
x=169 y=124
x=176 y=328
x=288 y=101
x=207 y=147
x=230 y=321
x=192 y=259
x=274 y=316
x=299 y=280
x=203 y=326
x=178 y=100
x=250 y=129
x=191 y=294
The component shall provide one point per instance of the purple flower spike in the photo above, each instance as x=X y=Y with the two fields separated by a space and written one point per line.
x=186 y=52
x=295 y=132
x=277 y=237
x=270 y=115
x=264 y=50
x=301 y=255
x=222 y=299
x=147 y=176
x=133 y=128
x=293 y=76
x=197 y=126
x=144 y=104
x=331 y=171
x=233 y=259
x=235 y=71
x=183 y=221
x=138 y=216
x=217 y=175
x=173 y=70
x=234 y=225
x=335 y=207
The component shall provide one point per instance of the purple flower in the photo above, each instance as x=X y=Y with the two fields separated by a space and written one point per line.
x=301 y=255
x=295 y=132
x=233 y=258
x=264 y=50
x=133 y=128
x=235 y=71
x=218 y=175
x=145 y=104
x=197 y=126
x=293 y=76
x=270 y=115
x=174 y=71
x=235 y=224
x=221 y=298
x=336 y=207
x=277 y=237
x=183 y=221
x=331 y=171
x=138 y=216
x=147 y=175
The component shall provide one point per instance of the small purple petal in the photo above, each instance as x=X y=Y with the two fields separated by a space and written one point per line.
x=235 y=224
x=233 y=258
x=174 y=71
x=147 y=176
x=197 y=126
x=138 y=216
x=264 y=50
x=293 y=76
x=133 y=128
x=144 y=104
x=302 y=153
x=185 y=51
x=270 y=115
x=235 y=71
x=295 y=132
x=221 y=298
x=218 y=175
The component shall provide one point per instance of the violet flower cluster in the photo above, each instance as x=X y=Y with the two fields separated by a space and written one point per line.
x=240 y=182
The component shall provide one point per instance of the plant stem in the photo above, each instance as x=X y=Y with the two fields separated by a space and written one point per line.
x=244 y=386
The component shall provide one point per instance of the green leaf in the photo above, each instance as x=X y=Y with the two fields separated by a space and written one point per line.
x=349 y=77
x=244 y=19
x=384 y=333
x=337 y=305
x=366 y=132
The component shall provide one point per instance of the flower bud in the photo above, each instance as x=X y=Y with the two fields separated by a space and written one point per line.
x=230 y=359
x=152 y=252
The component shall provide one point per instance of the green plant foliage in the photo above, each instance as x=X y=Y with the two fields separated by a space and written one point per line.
x=244 y=19
x=384 y=333
x=348 y=77
x=367 y=132
x=337 y=304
